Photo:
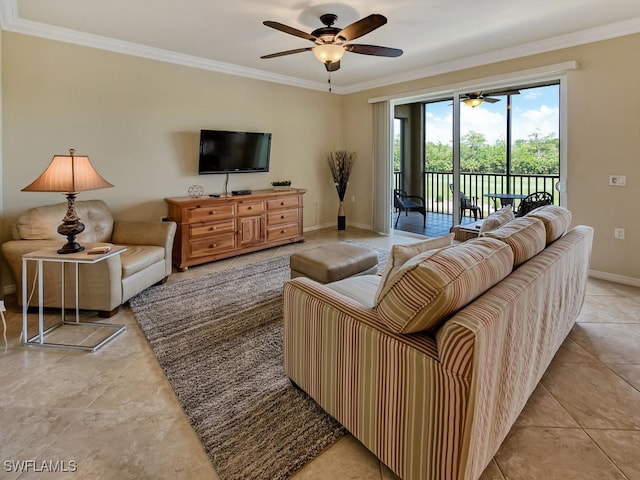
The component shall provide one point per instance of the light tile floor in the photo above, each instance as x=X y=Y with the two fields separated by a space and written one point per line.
x=114 y=413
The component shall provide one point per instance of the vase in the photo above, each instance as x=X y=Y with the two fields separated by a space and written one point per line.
x=342 y=221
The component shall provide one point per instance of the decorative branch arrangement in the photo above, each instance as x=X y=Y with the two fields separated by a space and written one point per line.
x=340 y=163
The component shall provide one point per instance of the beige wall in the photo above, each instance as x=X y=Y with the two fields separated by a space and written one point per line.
x=139 y=121
x=603 y=128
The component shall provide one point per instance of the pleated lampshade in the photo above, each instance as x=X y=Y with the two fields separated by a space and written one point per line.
x=68 y=174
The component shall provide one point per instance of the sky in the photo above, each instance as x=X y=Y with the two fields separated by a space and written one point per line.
x=534 y=109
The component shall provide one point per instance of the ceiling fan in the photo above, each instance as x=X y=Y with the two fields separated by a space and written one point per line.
x=476 y=98
x=331 y=42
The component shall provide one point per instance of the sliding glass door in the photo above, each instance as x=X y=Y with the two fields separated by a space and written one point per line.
x=490 y=150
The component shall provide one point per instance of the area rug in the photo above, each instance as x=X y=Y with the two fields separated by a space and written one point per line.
x=218 y=338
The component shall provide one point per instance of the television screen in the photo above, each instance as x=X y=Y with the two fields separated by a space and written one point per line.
x=233 y=152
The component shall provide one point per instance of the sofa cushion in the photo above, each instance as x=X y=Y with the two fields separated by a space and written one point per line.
x=435 y=284
x=497 y=219
x=41 y=223
x=401 y=253
x=138 y=257
x=525 y=235
x=361 y=288
x=556 y=220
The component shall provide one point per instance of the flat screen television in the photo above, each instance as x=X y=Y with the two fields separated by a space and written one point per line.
x=233 y=152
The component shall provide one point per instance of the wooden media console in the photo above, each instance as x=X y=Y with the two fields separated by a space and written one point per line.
x=214 y=228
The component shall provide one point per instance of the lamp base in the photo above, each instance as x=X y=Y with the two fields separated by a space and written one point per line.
x=71 y=226
x=70 y=230
x=71 y=247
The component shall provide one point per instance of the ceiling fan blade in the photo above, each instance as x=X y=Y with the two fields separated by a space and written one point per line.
x=502 y=92
x=490 y=99
x=362 y=27
x=332 y=66
x=287 y=52
x=373 y=50
x=290 y=30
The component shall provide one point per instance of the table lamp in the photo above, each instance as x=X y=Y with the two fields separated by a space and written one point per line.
x=69 y=174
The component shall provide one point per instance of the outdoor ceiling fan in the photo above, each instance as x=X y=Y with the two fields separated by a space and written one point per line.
x=476 y=98
x=332 y=42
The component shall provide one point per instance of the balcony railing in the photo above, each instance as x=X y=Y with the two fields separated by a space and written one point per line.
x=439 y=197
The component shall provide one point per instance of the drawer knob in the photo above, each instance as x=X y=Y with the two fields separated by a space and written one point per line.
x=282 y=217
x=281 y=231
x=281 y=203
x=249 y=208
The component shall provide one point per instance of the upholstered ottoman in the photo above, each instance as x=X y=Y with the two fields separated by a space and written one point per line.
x=333 y=262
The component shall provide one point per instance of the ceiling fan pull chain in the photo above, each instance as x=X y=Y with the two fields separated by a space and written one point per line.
x=329 y=81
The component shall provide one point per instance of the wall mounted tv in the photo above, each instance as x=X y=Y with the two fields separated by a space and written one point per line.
x=233 y=152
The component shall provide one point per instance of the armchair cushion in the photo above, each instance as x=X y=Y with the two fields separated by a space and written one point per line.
x=139 y=257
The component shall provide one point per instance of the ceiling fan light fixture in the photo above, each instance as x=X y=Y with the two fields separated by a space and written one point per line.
x=328 y=53
x=472 y=102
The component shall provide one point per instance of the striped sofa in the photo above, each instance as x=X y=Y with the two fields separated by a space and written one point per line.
x=434 y=396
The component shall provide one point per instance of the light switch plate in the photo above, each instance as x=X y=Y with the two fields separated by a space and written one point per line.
x=617 y=180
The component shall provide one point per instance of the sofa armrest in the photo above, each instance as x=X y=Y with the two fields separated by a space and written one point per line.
x=389 y=390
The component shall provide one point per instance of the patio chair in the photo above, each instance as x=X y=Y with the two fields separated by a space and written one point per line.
x=467 y=204
x=408 y=203
x=533 y=201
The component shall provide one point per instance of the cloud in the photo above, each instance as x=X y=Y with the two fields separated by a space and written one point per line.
x=543 y=120
x=492 y=124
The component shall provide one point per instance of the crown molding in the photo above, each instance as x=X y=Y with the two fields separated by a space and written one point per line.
x=10 y=21
x=8 y=12
x=605 y=32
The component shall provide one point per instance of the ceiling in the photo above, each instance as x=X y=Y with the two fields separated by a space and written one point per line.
x=228 y=36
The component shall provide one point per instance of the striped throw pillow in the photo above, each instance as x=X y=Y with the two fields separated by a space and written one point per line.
x=433 y=285
x=400 y=254
x=497 y=219
x=525 y=235
x=556 y=220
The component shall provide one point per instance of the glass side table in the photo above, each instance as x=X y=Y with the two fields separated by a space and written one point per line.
x=51 y=255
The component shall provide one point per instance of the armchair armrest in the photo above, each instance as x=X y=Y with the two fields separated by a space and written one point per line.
x=160 y=234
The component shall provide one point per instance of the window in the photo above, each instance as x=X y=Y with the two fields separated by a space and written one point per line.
x=509 y=144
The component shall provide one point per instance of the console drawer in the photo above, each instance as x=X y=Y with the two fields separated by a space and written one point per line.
x=204 y=214
x=212 y=228
x=284 y=202
x=250 y=208
x=284 y=216
x=284 y=231
x=211 y=246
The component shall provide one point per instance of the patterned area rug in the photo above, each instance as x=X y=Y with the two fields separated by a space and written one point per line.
x=219 y=340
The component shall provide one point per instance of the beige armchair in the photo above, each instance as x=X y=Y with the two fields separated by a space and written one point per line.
x=106 y=285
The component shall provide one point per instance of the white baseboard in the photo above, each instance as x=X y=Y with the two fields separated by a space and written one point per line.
x=333 y=224
x=634 y=282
